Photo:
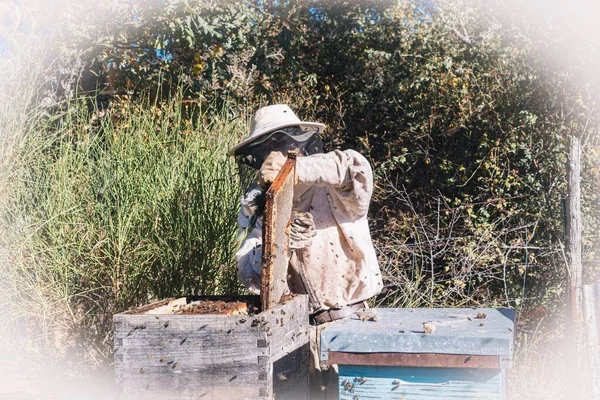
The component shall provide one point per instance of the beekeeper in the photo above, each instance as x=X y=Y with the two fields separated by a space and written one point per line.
x=332 y=256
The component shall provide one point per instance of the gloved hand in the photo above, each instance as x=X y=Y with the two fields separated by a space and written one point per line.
x=270 y=168
x=302 y=230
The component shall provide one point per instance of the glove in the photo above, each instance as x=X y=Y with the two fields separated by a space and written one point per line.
x=302 y=230
x=270 y=168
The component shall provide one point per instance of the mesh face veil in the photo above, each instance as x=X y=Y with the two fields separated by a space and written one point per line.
x=306 y=142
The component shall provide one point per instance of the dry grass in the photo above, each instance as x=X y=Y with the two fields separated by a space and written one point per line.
x=538 y=371
x=544 y=366
x=102 y=210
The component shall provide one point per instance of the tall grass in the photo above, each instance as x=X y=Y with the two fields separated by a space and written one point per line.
x=120 y=207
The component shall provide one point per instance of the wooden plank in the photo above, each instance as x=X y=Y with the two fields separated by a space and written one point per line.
x=148 y=307
x=187 y=387
x=458 y=331
x=578 y=354
x=167 y=356
x=290 y=348
x=370 y=382
x=157 y=305
x=179 y=356
x=415 y=360
x=290 y=328
x=276 y=235
x=290 y=374
x=591 y=314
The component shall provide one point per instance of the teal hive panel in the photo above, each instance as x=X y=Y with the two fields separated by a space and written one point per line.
x=367 y=382
x=391 y=356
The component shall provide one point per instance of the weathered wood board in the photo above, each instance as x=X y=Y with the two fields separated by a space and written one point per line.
x=166 y=356
x=276 y=225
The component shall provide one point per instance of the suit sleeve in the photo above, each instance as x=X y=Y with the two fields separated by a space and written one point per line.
x=348 y=175
x=249 y=255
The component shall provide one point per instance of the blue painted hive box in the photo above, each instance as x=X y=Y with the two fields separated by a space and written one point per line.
x=421 y=353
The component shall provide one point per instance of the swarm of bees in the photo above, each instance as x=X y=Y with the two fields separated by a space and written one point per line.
x=360 y=380
x=347 y=386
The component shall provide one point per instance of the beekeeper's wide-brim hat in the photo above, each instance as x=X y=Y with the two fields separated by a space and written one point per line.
x=269 y=119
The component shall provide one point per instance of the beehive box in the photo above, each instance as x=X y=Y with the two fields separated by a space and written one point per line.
x=164 y=355
x=391 y=354
x=222 y=347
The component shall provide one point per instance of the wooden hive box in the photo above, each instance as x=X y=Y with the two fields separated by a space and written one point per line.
x=168 y=350
x=464 y=356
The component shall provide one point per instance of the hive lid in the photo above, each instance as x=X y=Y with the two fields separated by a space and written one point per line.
x=400 y=330
x=276 y=240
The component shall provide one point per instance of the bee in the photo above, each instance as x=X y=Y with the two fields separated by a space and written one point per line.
x=429 y=327
x=175 y=365
x=396 y=382
x=349 y=386
x=281 y=377
x=368 y=316
x=162 y=359
x=481 y=315
x=166 y=325
x=360 y=380
x=142 y=370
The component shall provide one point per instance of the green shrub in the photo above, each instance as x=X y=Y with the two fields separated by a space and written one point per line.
x=122 y=207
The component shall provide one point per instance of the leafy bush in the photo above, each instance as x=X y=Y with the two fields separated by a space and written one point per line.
x=455 y=103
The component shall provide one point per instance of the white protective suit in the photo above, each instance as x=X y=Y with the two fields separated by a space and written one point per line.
x=340 y=267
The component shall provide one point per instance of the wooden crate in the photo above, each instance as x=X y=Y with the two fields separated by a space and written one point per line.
x=465 y=355
x=161 y=355
x=167 y=356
